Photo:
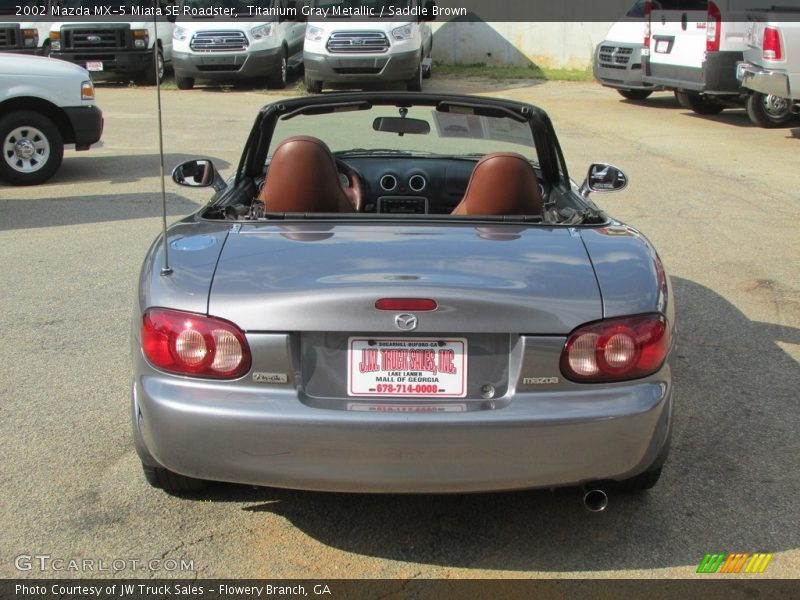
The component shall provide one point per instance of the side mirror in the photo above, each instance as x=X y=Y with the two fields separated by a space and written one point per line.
x=603 y=178
x=428 y=15
x=198 y=173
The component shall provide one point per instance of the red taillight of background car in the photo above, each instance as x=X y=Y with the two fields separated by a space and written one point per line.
x=192 y=344
x=648 y=11
x=616 y=349
x=772 y=49
x=713 y=28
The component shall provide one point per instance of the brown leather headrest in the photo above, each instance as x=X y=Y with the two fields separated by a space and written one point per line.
x=302 y=177
x=502 y=183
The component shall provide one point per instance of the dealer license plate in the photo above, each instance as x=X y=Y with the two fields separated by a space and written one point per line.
x=94 y=65
x=407 y=367
x=662 y=46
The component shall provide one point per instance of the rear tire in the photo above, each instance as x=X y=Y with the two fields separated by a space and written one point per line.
x=313 y=86
x=767 y=110
x=635 y=94
x=184 y=83
x=154 y=76
x=277 y=79
x=700 y=104
x=415 y=83
x=166 y=480
x=31 y=147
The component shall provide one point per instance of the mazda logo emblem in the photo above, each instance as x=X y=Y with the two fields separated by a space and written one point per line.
x=406 y=322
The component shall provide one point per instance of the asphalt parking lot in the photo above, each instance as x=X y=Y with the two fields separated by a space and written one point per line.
x=717 y=196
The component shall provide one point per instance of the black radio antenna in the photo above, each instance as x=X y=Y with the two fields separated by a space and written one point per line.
x=165 y=269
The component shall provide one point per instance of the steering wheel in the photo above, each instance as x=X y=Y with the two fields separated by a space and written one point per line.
x=351 y=184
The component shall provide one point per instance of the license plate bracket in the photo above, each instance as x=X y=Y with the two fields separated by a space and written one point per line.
x=407 y=367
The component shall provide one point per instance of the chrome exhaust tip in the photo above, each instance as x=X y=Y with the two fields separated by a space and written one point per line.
x=595 y=500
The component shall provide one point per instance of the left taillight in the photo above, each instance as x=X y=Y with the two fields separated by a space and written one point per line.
x=616 y=349
x=196 y=345
x=713 y=28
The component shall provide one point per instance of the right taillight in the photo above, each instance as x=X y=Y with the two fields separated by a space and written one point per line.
x=648 y=10
x=616 y=349
x=196 y=345
x=772 y=44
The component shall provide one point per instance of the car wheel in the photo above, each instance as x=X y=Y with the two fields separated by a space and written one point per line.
x=313 y=86
x=643 y=481
x=184 y=83
x=428 y=71
x=32 y=148
x=166 y=480
x=277 y=79
x=635 y=94
x=415 y=83
x=768 y=110
x=153 y=76
x=702 y=105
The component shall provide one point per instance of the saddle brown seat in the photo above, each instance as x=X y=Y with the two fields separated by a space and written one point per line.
x=303 y=178
x=502 y=183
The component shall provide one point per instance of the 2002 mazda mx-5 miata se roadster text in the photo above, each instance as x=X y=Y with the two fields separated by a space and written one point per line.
x=402 y=293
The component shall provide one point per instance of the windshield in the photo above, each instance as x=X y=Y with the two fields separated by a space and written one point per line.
x=425 y=132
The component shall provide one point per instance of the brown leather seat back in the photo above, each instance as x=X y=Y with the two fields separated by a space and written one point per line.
x=302 y=177
x=502 y=183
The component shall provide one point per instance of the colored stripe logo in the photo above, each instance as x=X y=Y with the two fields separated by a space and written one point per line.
x=735 y=562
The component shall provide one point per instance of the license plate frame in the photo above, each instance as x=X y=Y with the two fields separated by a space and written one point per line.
x=416 y=367
x=94 y=65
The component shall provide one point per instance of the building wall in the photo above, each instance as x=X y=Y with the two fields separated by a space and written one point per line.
x=552 y=44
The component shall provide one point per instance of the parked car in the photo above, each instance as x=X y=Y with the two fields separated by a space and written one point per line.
x=618 y=58
x=346 y=50
x=770 y=71
x=115 y=48
x=693 y=47
x=29 y=34
x=44 y=104
x=224 y=51
x=372 y=303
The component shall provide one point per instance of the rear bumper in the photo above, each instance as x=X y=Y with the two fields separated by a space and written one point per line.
x=716 y=75
x=351 y=68
x=263 y=436
x=118 y=63
x=765 y=81
x=619 y=66
x=229 y=65
x=87 y=123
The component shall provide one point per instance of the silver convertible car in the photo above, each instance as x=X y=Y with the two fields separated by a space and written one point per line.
x=402 y=293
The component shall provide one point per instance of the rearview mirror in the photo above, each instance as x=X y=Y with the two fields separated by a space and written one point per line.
x=603 y=178
x=198 y=173
x=401 y=125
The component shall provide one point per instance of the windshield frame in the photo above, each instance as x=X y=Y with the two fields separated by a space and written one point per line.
x=548 y=151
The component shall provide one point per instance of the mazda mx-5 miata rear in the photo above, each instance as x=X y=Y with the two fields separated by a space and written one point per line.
x=402 y=293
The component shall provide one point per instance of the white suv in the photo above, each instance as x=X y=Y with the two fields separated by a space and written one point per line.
x=392 y=48
x=44 y=104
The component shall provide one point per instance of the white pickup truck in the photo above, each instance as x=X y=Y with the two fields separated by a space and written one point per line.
x=44 y=104
x=770 y=71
